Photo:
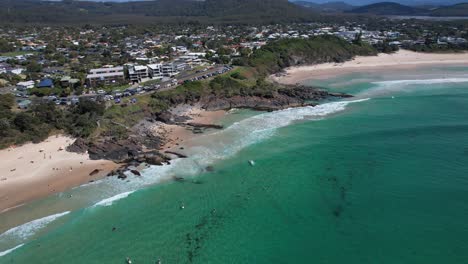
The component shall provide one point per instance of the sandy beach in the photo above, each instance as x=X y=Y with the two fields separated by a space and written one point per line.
x=179 y=135
x=399 y=60
x=34 y=171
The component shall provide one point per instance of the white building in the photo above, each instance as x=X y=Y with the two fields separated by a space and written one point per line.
x=137 y=73
x=21 y=86
x=105 y=76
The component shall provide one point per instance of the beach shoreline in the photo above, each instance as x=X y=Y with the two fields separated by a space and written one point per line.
x=34 y=171
x=177 y=136
x=402 y=59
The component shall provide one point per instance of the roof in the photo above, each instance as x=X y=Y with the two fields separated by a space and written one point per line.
x=45 y=83
x=154 y=66
x=110 y=69
x=103 y=75
x=26 y=83
x=140 y=68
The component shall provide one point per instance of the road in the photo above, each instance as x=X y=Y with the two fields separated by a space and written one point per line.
x=162 y=86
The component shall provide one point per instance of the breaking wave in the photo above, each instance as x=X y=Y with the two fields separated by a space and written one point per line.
x=111 y=200
x=427 y=81
x=26 y=230
x=226 y=143
x=8 y=251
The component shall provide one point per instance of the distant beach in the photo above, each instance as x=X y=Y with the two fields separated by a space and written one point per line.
x=399 y=60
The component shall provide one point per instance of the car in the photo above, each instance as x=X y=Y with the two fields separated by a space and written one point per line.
x=74 y=100
x=101 y=92
x=125 y=94
x=117 y=100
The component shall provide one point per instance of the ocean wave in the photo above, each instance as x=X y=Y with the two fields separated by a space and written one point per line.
x=111 y=200
x=8 y=251
x=425 y=81
x=226 y=143
x=25 y=231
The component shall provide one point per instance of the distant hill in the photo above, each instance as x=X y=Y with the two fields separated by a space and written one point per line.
x=389 y=8
x=330 y=7
x=455 y=10
x=212 y=11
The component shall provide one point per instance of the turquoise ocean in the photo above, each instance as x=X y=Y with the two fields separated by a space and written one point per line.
x=378 y=178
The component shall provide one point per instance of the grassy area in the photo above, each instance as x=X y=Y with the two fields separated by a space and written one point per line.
x=151 y=82
x=119 y=117
x=244 y=74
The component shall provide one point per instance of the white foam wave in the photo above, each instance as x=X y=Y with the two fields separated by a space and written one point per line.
x=226 y=143
x=25 y=231
x=6 y=252
x=426 y=81
x=111 y=200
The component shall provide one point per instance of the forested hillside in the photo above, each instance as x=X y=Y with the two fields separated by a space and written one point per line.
x=241 y=11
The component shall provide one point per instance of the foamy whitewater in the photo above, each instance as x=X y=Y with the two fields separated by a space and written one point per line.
x=210 y=148
x=386 y=87
x=110 y=201
x=213 y=147
x=22 y=233
x=6 y=252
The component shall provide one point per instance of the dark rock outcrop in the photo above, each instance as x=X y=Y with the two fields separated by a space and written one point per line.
x=198 y=125
x=289 y=96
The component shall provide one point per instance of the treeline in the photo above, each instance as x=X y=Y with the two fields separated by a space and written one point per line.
x=167 y=11
x=284 y=53
x=37 y=123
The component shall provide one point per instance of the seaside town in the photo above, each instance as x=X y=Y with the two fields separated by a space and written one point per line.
x=233 y=131
x=106 y=64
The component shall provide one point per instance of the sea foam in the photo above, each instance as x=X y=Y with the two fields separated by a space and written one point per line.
x=111 y=200
x=8 y=251
x=226 y=143
x=425 y=81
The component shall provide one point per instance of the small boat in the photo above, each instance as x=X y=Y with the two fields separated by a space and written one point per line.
x=129 y=261
x=252 y=163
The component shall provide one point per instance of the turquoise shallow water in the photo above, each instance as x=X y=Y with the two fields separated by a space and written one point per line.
x=383 y=180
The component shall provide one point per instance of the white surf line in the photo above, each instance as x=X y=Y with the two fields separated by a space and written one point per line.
x=8 y=251
x=111 y=200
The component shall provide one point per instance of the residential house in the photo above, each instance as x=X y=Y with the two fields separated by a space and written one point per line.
x=46 y=83
x=22 y=86
x=67 y=81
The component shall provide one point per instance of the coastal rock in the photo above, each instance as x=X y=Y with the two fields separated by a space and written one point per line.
x=137 y=173
x=198 y=125
x=179 y=155
x=94 y=172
